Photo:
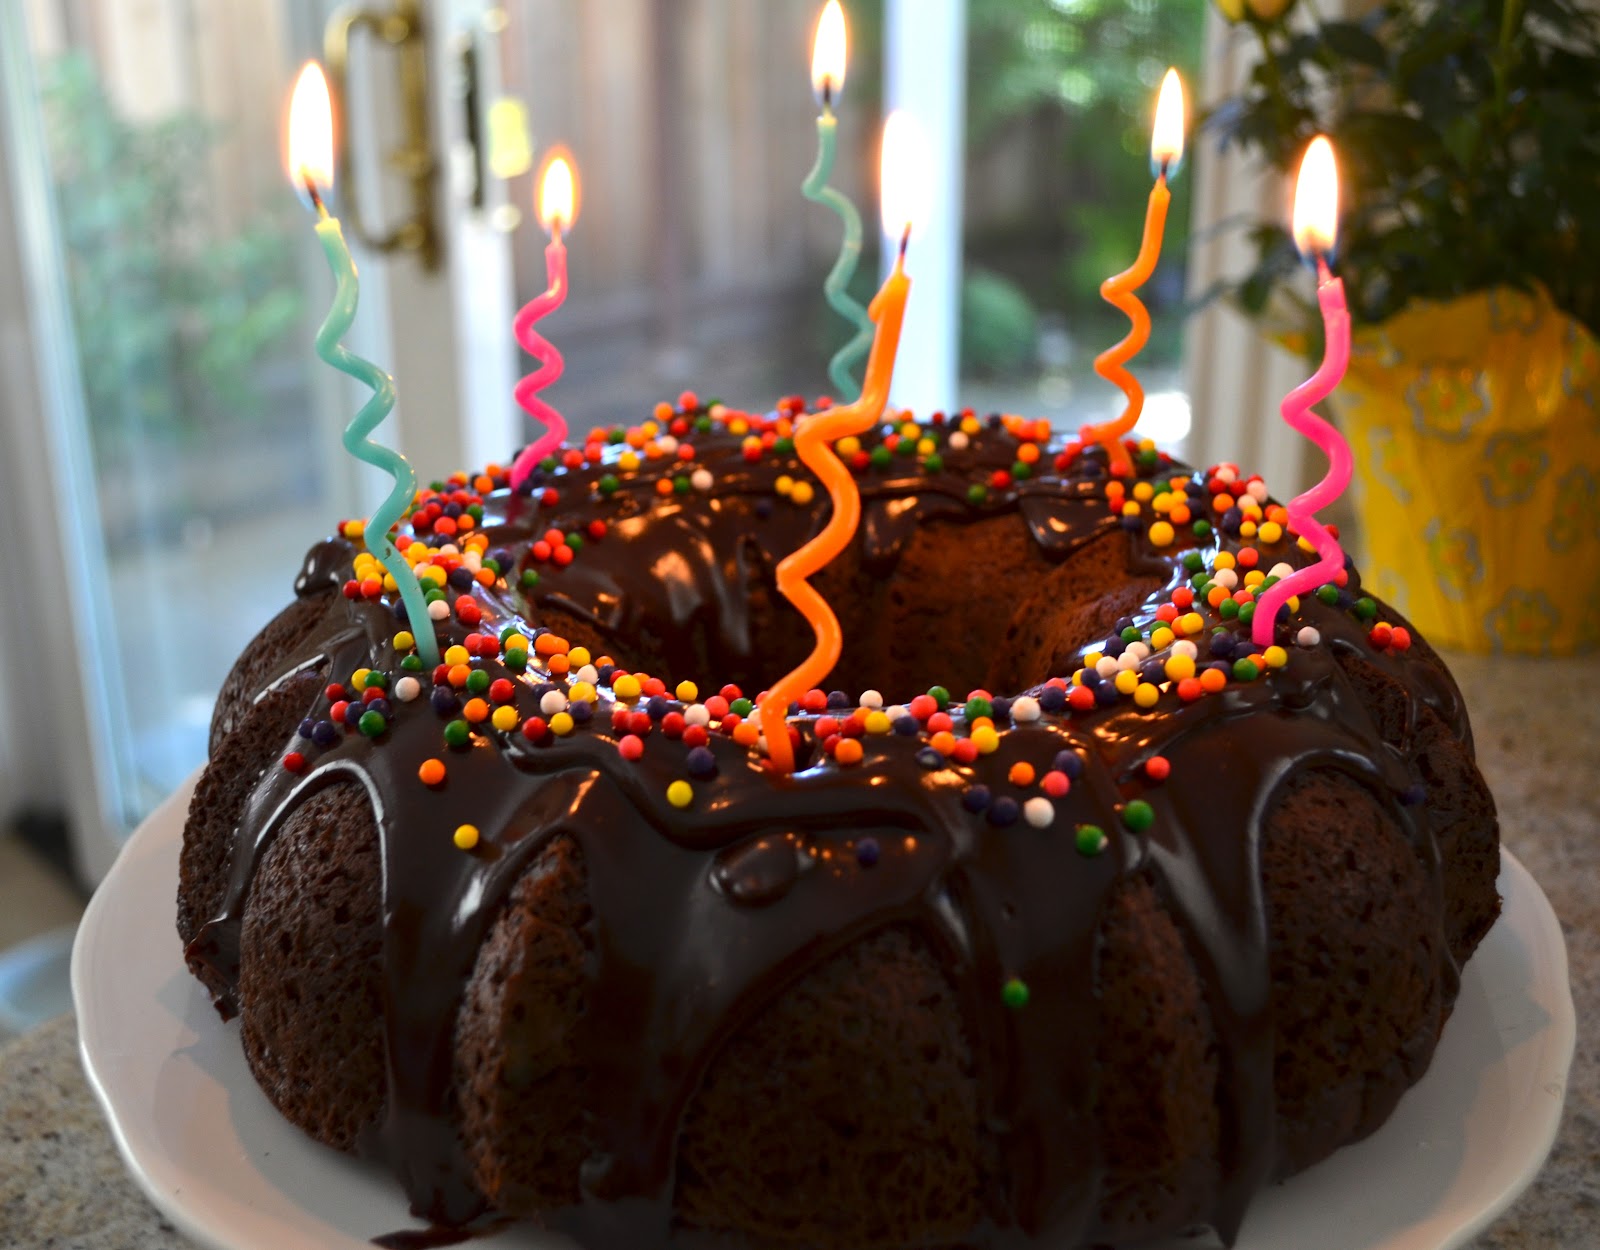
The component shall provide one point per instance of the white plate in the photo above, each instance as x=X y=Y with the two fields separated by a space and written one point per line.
x=219 y=1161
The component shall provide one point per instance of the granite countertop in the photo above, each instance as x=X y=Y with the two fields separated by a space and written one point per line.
x=1537 y=725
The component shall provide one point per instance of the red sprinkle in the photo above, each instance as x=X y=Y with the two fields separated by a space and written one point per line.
x=1157 y=768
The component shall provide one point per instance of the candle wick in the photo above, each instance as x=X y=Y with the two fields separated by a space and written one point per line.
x=905 y=239
x=311 y=190
x=1324 y=274
x=1166 y=164
x=827 y=93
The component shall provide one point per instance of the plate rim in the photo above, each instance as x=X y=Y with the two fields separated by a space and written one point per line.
x=162 y=829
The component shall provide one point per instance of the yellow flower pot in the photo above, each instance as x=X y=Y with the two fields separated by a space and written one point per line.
x=1476 y=430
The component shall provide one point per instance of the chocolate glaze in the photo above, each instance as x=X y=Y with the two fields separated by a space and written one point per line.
x=702 y=916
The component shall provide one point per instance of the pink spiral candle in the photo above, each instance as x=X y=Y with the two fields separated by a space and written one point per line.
x=1302 y=509
x=550 y=363
x=558 y=208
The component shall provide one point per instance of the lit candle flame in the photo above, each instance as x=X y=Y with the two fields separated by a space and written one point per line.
x=906 y=168
x=1316 y=200
x=558 y=193
x=1166 y=137
x=309 y=158
x=828 y=54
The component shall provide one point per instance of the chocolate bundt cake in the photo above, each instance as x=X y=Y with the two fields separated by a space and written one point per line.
x=1136 y=920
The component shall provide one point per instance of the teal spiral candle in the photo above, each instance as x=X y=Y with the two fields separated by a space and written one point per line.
x=347 y=292
x=827 y=76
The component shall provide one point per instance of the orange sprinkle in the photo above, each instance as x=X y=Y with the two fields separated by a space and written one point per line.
x=848 y=751
x=550 y=644
x=458 y=675
x=1213 y=680
x=475 y=711
x=1021 y=773
x=431 y=773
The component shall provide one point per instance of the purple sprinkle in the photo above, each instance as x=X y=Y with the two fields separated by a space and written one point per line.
x=867 y=852
x=701 y=762
x=976 y=798
x=1069 y=762
x=1004 y=811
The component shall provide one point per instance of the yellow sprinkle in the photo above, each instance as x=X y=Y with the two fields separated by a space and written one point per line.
x=354 y=529
x=626 y=687
x=878 y=722
x=1191 y=623
x=1161 y=639
x=1179 y=667
x=925 y=445
x=504 y=718
x=561 y=724
x=1093 y=658
x=784 y=484
x=680 y=794
x=457 y=654
x=581 y=692
x=578 y=656
x=389 y=583
x=1275 y=656
x=848 y=445
x=404 y=640
x=1130 y=508
x=909 y=429
x=1247 y=529
x=1147 y=444
x=1146 y=694
x=1254 y=578
x=1162 y=502
x=358 y=679
x=1224 y=560
x=1305 y=544
x=628 y=461
x=802 y=493
x=1077 y=678
x=1162 y=534
x=986 y=739
x=1270 y=531
x=516 y=642
x=687 y=691
x=738 y=426
x=970 y=425
x=1127 y=681
x=1144 y=492
x=466 y=836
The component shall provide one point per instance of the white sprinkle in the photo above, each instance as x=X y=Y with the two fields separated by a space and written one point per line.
x=1024 y=708
x=1226 y=578
x=1308 y=637
x=472 y=561
x=554 y=701
x=667 y=443
x=701 y=479
x=717 y=411
x=588 y=673
x=438 y=610
x=872 y=699
x=1257 y=490
x=407 y=688
x=449 y=549
x=898 y=710
x=696 y=714
x=959 y=441
x=1226 y=473
x=1281 y=570
x=1039 y=812
x=1106 y=666
x=1184 y=647
x=1127 y=660
x=1138 y=650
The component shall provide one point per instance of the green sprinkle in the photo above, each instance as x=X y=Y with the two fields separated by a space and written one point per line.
x=575 y=540
x=1245 y=670
x=702 y=425
x=1150 y=458
x=1138 y=815
x=609 y=484
x=1202 y=529
x=933 y=462
x=517 y=658
x=1091 y=840
x=477 y=681
x=434 y=596
x=940 y=695
x=530 y=578
x=1329 y=594
x=741 y=707
x=1021 y=470
x=412 y=663
x=372 y=724
x=782 y=446
x=680 y=485
x=1014 y=994
x=507 y=631
x=476 y=511
x=617 y=435
x=977 y=493
x=978 y=707
x=1246 y=612
x=906 y=447
x=1366 y=608
x=458 y=733
x=1228 y=608
x=376 y=680
x=1193 y=561
x=548 y=464
x=1131 y=634
x=880 y=457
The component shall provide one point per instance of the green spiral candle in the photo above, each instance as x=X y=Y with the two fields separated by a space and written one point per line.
x=347 y=291
x=827 y=77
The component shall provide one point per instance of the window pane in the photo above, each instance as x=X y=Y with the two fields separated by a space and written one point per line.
x=182 y=269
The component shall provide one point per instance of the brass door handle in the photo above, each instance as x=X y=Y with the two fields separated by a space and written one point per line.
x=400 y=28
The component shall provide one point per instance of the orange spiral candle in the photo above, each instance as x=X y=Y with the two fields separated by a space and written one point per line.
x=1166 y=148
x=813 y=443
